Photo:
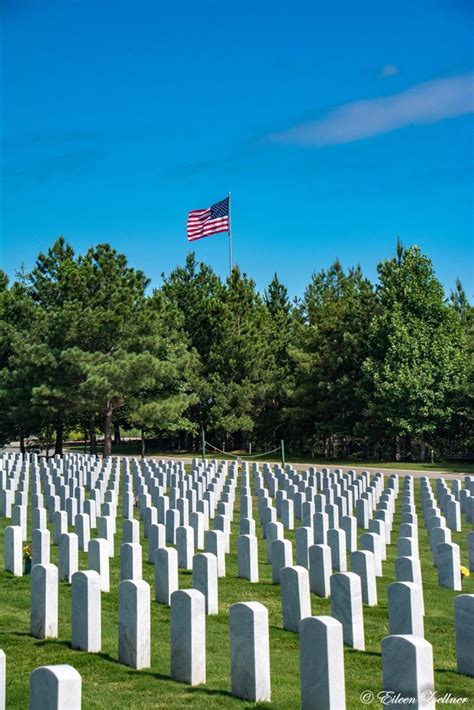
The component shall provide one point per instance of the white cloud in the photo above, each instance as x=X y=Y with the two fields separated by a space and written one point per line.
x=423 y=103
x=389 y=70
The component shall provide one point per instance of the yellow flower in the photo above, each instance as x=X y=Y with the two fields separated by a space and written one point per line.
x=464 y=571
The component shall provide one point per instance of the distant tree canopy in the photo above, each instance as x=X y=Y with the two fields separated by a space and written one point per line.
x=352 y=368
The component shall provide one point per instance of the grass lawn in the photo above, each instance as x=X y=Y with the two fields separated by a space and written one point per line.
x=107 y=684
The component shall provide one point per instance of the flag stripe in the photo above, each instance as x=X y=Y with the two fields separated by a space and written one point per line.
x=211 y=224
x=214 y=219
x=207 y=233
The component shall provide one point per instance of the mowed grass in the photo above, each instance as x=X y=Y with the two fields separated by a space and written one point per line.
x=107 y=684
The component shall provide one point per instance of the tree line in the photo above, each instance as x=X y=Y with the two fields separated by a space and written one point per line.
x=351 y=368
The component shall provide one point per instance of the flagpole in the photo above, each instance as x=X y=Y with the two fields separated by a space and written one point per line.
x=230 y=242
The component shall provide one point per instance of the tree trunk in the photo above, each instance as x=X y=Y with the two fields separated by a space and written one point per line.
x=22 y=443
x=408 y=452
x=344 y=447
x=92 y=436
x=422 y=450
x=398 y=455
x=117 y=437
x=143 y=443
x=58 y=446
x=108 y=428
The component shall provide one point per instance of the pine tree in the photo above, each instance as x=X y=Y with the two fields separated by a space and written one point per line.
x=328 y=402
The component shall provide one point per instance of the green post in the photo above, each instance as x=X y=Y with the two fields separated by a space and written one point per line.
x=282 y=447
x=203 y=445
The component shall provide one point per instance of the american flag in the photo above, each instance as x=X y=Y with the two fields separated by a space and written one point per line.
x=203 y=223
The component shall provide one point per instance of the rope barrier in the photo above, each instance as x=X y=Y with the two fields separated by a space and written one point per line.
x=246 y=456
x=221 y=451
x=265 y=453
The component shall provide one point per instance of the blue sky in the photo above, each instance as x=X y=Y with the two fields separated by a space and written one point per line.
x=337 y=126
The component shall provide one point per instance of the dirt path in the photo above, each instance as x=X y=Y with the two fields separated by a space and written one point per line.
x=13 y=448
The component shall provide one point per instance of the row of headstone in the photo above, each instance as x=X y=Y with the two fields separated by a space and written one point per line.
x=294 y=580
x=106 y=525
x=87 y=585
x=316 y=542
x=63 y=504
x=407 y=659
x=445 y=553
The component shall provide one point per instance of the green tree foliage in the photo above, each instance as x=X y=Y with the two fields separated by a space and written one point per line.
x=351 y=369
x=331 y=345
x=460 y=432
x=90 y=343
x=18 y=316
x=52 y=286
x=193 y=295
x=238 y=360
x=416 y=352
x=273 y=422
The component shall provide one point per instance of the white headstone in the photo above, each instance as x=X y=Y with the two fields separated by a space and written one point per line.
x=130 y=561
x=363 y=564
x=205 y=579
x=320 y=569
x=13 y=550
x=134 y=623
x=130 y=531
x=322 y=664
x=188 y=636
x=105 y=530
x=349 y=525
x=405 y=609
x=83 y=530
x=215 y=542
x=282 y=556
x=304 y=540
x=197 y=522
x=337 y=544
x=156 y=539
x=295 y=596
x=166 y=574
x=407 y=670
x=68 y=556
x=3 y=678
x=320 y=528
x=464 y=622
x=98 y=560
x=59 y=525
x=371 y=541
x=55 y=688
x=449 y=566
x=86 y=615
x=40 y=543
x=44 y=601
x=185 y=546
x=247 y=557
x=346 y=607
x=250 y=652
